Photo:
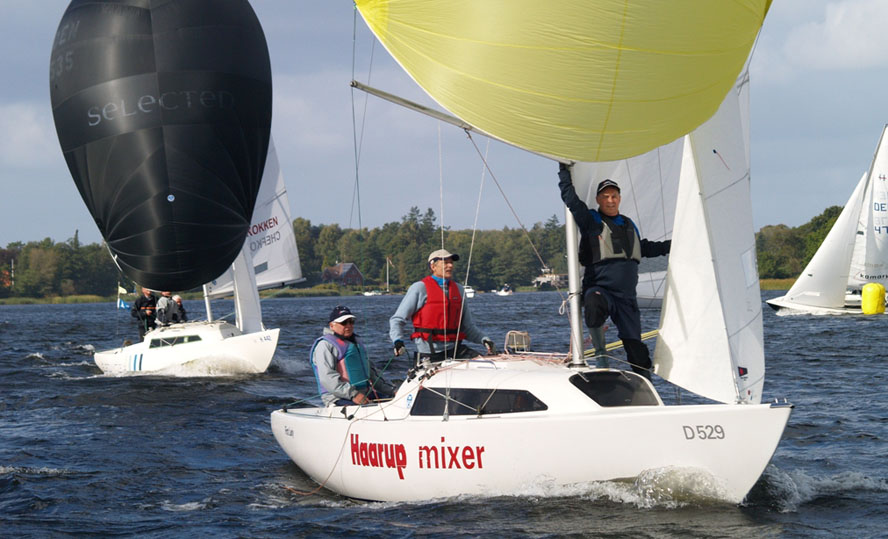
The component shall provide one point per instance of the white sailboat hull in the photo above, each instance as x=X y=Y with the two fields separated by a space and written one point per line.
x=386 y=454
x=193 y=348
x=783 y=304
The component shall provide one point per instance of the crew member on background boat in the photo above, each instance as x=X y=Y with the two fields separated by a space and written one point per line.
x=341 y=366
x=143 y=310
x=441 y=319
x=167 y=308
x=179 y=315
x=611 y=249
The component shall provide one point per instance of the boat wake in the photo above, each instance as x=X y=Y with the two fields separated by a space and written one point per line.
x=787 y=491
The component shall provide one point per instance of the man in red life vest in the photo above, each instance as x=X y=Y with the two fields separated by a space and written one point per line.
x=441 y=320
x=341 y=366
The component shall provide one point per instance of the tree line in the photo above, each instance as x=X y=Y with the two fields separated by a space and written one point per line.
x=492 y=257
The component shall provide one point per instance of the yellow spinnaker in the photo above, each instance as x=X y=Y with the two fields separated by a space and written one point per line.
x=588 y=80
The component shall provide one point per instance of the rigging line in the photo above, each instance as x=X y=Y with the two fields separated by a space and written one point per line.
x=506 y=198
x=357 y=140
x=474 y=231
x=444 y=288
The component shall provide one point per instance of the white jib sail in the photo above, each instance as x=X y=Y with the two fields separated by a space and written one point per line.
x=711 y=339
x=826 y=277
x=270 y=240
x=869 y=262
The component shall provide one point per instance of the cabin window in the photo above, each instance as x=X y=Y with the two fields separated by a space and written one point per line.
x=615 y=389
x=431 y=401
x=173 y=341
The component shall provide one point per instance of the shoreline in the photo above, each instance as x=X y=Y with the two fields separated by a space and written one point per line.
x=764 y=284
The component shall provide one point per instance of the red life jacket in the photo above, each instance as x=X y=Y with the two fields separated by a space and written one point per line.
x=429 y=320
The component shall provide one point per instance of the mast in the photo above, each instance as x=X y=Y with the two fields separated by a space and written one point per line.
x=574 y=290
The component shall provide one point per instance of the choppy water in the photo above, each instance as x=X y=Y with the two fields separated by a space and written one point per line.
x=86 y=454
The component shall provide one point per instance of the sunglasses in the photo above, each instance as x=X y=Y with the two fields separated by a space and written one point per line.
x=349 y=322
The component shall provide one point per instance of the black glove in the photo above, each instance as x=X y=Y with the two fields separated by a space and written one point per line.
x=491 y=348
x=399 y=347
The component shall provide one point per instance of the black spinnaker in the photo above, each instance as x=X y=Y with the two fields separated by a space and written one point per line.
x=163 y=112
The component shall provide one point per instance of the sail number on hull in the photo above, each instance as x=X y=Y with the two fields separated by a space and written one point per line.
x=704 y=432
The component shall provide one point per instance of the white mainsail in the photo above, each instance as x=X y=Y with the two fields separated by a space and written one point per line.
x=270 y=242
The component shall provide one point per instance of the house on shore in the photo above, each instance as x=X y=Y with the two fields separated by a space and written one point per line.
x=344 y=274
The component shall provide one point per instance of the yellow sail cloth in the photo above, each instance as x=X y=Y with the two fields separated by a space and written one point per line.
x=588 y=80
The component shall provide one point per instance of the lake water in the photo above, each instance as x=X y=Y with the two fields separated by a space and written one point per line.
x=86 y=454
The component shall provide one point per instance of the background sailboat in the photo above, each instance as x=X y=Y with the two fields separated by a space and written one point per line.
x=163 y=112
x=587 y=84
x=854 y=252
x=269 y=258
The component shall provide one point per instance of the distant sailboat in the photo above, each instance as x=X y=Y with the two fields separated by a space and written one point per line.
x=854 y=252
x=163 y=113
x=268 y=259
x=491 y=426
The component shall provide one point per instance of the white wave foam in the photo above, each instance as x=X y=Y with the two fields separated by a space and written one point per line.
x=167 y=505
x=83 y=363
x=667 y=488
x=34 y=355
x=33 y=471
x=290 y=365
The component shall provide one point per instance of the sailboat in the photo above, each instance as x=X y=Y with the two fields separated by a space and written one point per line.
x=165 y=126
x=499 y=424
x=854 y=252
x=269 y=259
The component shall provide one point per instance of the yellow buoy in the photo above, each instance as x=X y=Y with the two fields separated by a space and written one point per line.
x=872 y=300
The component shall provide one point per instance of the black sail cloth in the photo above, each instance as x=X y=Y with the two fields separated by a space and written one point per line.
x=163 y=112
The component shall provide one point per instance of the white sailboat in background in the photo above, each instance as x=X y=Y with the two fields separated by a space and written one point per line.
x=269 y=258
x=498 y=425
x=854 y=252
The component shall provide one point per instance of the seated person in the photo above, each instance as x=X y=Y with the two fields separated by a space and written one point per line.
x=341 y=366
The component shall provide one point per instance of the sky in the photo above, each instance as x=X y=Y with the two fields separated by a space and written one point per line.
x=819 y=101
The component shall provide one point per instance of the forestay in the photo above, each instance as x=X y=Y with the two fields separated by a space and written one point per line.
x=588 y=81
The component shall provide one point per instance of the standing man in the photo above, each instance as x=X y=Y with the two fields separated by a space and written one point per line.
x=143 y=311
x=435 y=306
x=611 y=249
x=341 y=366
